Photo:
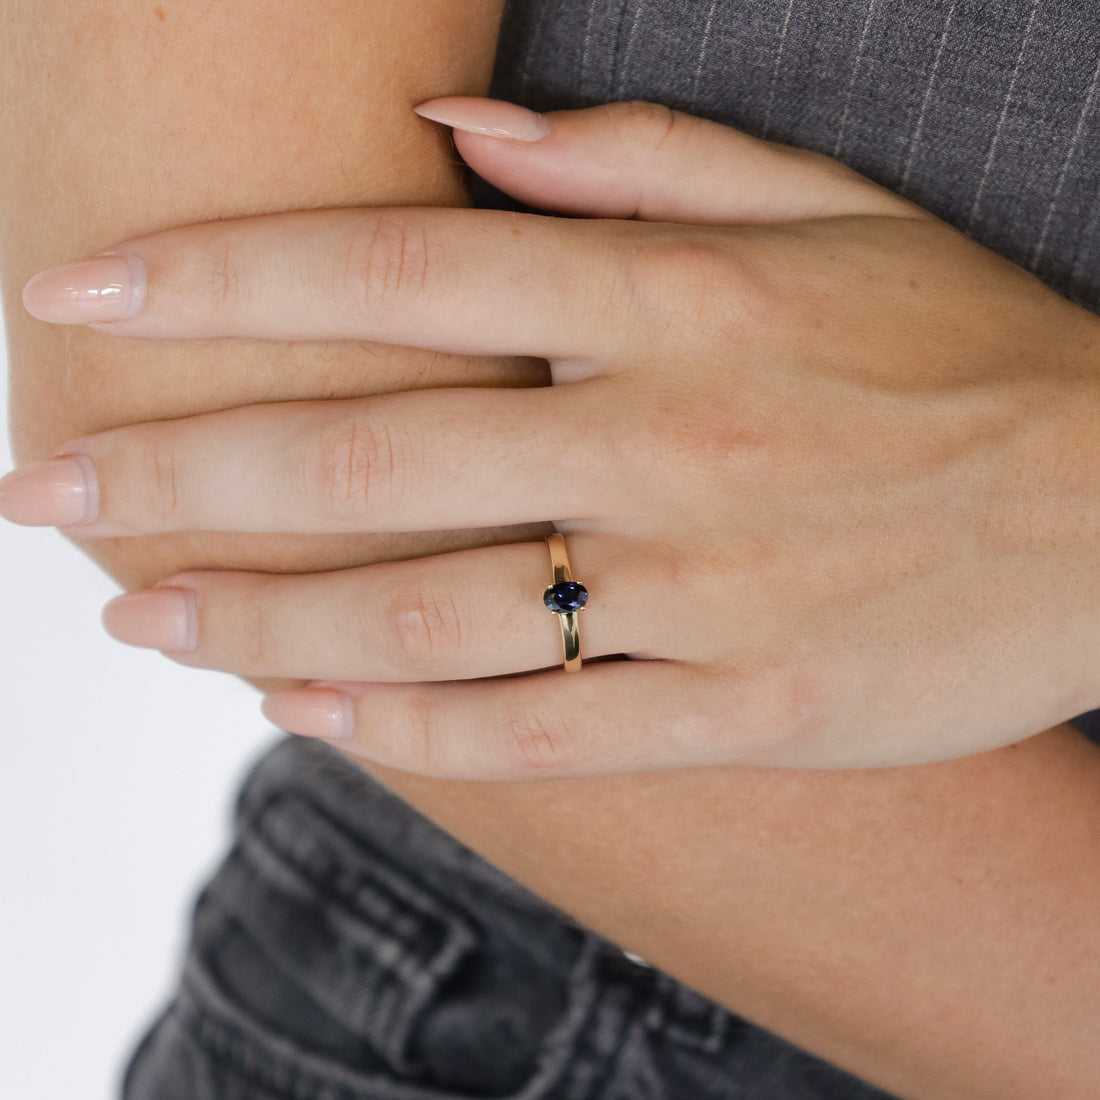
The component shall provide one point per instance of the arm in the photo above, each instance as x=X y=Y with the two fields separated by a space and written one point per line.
x=928 y=936
x=165 y=117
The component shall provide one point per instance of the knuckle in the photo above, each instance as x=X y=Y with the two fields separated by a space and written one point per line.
x=805 y=701
x=424 y=631
x=223 y=278
x=694 y=447
x=389 y=260
x=699 y=737
x=689 y=450
x=253 y=634
x=163 y=481
x=654 y=121
x=353 y=464
x=696 y=284
x=534 y=746
x=419 y=736
x=784 y=707
x=802 y=709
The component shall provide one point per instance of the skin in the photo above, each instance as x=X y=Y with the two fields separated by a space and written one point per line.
x=826 y=906
x=837 y=525
x=228 y=149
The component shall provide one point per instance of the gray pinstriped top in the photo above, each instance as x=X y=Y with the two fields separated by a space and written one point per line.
x=986 y=112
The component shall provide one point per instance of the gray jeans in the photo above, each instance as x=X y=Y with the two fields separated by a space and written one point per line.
x=348 y=949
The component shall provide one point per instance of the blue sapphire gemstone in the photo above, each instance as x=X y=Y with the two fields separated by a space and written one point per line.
x=565 y=596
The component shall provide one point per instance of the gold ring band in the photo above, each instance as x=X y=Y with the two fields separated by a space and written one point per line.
x=566 y=598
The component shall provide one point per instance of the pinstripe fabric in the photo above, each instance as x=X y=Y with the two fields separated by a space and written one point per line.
x=914 y=142
x=839 y=144
x=985 y=112
x=765 y=129
x=707 y=28
x=1068 y=163
x=1008 y=105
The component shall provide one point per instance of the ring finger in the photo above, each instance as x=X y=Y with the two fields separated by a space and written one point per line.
x=469 y=614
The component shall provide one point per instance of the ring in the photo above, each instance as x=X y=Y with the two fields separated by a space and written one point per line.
x=565 y=597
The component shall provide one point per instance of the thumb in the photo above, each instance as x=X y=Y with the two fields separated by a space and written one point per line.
x=642 y=160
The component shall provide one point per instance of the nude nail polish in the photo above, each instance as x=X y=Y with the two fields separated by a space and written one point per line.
x=159 y=618
x=59 y=492
x=490 y=117
x=308 y=712
x=108 y=288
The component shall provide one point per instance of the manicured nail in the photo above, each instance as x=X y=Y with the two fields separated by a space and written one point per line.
x=312 y=712
x=160 y=618
x=109 y=288
x=56 y=493
x=491 y=117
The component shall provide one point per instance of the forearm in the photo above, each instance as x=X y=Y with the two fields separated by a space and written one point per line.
x=915 y=926
x=166 y=121
x=932 y=929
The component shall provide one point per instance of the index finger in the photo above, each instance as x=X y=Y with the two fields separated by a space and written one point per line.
x=464 y=281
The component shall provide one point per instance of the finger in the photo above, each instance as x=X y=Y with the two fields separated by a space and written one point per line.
x=464 y=281
x=612 y=717
x=642 y=160
x=416 y=461
x=462 y=615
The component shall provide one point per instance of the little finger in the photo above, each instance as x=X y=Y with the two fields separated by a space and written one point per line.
x=613 y=717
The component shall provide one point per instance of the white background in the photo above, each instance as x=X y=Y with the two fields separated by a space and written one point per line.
x=117 y=776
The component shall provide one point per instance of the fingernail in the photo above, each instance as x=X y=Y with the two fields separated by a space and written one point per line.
x=56 y=493
x=322 y=713
x=491 y=117
x=109 y=288
x=160 y=618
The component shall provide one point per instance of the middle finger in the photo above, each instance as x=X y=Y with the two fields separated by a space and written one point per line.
x=431 y=460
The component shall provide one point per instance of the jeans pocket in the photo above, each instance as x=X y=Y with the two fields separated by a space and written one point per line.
x=318 y=957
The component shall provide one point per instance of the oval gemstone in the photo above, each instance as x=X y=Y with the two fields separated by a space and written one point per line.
x=565 y=596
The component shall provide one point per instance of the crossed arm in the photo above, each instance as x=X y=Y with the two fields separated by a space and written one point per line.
x=931 y=929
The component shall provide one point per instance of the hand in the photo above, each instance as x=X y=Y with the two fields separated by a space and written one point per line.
x=816 y=456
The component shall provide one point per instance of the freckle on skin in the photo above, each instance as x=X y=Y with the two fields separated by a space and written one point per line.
x=160 y=14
